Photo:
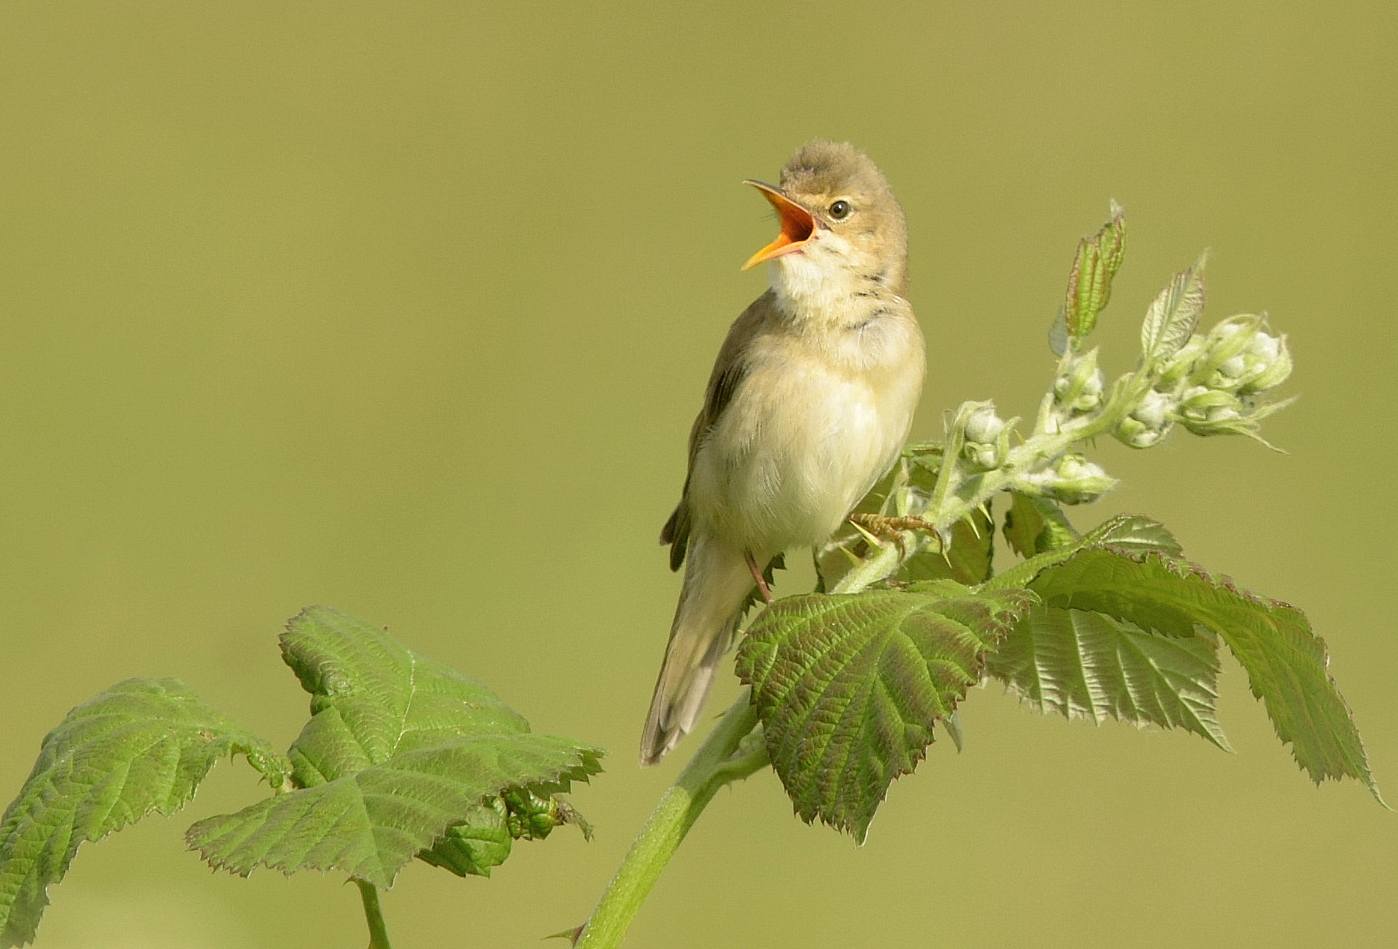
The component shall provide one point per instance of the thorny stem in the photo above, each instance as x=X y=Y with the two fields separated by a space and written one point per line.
x=952 y=500
x=724 y=757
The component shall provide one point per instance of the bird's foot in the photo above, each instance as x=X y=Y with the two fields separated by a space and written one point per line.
x=884 y=527
x=757 y=575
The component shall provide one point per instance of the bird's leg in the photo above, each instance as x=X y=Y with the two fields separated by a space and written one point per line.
x=757 y=575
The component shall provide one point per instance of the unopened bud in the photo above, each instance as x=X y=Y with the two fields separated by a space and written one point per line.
x=1079 y=388
x=1148 y=423
x=1224 y=362
x=1181 y=364
x=983 y=425
x=1200 y=404
x=986 y=437
x=1080 y=480
x=1266 y=364
x=1072 y=480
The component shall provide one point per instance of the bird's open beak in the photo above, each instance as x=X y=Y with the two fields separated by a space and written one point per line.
x=797 y=224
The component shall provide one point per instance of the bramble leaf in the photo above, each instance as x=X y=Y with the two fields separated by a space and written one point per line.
x=1092 y=666
x=1174 y=314
x=1144 y=583
x=1125 y=531
x=140 y=747
x=475 y=845
x=1090 y=282
x=849 y=687
x=484 y=839
x=399 y=750
x=1036 y=525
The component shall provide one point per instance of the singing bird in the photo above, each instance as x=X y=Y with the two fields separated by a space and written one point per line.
x=808 y=405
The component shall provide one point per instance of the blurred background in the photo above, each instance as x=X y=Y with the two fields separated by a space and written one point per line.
x=406 y=309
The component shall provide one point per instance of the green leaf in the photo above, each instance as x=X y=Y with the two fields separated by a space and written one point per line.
x=141 y=746
x=475 y=845
x=483 y=840
x=1136 y=533
x=1285 y=660
x=1174 y=314
x=1125 y=531
x=849 y=687
x=399 y=749
x=1092 y=666
x=1107 y=580
x=1090 y=282
x=1036 y=525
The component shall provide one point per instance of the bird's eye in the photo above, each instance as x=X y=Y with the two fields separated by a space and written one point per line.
x=840 y=210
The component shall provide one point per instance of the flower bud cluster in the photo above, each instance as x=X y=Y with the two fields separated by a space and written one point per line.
x=1213 y=385
x=1071 y=480
x=1079 y=387
x=986 y=437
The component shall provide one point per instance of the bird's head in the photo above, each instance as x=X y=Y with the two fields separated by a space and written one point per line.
x=841 y=226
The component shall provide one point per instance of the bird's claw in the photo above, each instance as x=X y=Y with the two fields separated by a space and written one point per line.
x=883 y=527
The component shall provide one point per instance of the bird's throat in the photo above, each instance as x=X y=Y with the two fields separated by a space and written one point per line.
x=825 y=289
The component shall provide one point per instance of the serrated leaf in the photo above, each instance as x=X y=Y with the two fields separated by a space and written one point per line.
x=399 y=749
x=371 y=823
x=1174 y=314
x=140 y=747
x=849 y=687
x=1036 y=525
x=1107 y=580
x=1285 y=660
x=1136 y=533
x=1090 y=282
x=1092 y=666
x=1127 y=531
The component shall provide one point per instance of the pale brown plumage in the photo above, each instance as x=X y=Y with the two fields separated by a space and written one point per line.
x=807 y=406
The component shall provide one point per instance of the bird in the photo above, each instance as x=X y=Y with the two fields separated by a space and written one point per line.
x=809 y=403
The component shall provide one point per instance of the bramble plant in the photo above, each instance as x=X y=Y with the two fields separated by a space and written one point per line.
x=402 y=758
x=405 y=758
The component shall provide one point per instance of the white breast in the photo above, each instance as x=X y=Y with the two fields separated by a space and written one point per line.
x=818 y=418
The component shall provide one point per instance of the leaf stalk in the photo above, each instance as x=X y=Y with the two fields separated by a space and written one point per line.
x=373 y=914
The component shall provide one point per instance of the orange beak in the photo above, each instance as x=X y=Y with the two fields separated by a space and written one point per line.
x=797 y=225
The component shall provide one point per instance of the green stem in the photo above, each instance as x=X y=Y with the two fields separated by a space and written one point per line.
x=947 y=505
x=378 y=933
x=723 y=758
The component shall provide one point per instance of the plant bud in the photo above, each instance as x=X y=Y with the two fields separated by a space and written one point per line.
x=983 y=425
x=982 y=456
x=986 y=436
x=1267 y=364
x=1072 y=480
x=1200 y=403
x=1080 y=480
x=1181 y=364
x=1149 y=422
x=1079 y=388
x=1224 y=361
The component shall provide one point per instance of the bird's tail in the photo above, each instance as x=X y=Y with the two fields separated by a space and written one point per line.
x=716 y=582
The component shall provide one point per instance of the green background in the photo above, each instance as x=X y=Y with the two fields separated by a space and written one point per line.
x=406 y=309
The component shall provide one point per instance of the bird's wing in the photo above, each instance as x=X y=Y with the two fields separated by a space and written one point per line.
x=730 y=368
